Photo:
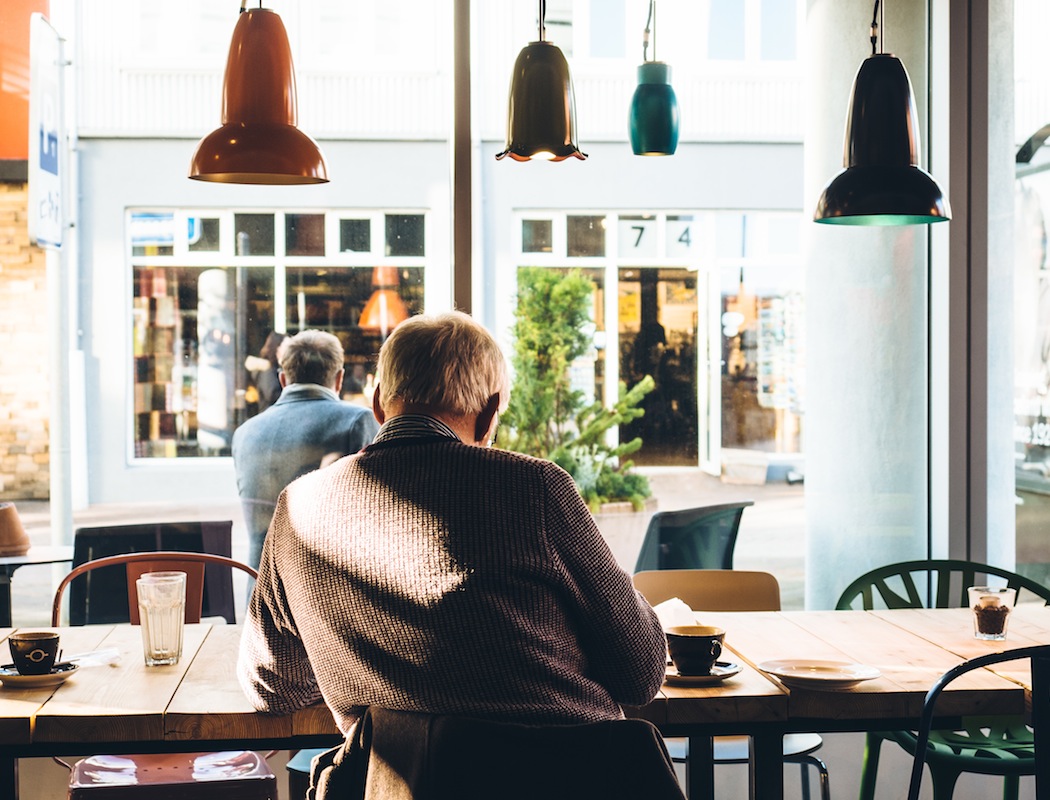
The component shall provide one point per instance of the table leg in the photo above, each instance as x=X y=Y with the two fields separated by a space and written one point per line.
x=766 y=768
x=5 y=597
x=700 y=768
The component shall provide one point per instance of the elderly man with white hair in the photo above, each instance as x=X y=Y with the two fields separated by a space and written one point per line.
x=433 y=573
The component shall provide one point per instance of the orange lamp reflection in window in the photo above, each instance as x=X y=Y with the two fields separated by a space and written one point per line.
x=385 y=309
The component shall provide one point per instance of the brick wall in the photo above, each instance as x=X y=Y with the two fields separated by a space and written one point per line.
x=24 y=404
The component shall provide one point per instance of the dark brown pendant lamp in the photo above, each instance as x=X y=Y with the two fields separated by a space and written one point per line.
x=541 y=117
x=882 y=183
x=259 y=141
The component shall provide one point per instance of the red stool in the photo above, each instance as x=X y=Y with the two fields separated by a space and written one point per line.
x=233 y=775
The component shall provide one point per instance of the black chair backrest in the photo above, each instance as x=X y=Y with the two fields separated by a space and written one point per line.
x=1040 y=721
x=101 y=596
x=694 y=538
x=934 y=583
x=437 y=756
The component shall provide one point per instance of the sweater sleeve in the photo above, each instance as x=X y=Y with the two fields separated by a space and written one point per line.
x=619 y=631
x=272 y=666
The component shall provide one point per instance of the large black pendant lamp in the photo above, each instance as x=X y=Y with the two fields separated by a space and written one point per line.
x=654 y=108
x=259 y=141
x=882 y=183
x=541 y=116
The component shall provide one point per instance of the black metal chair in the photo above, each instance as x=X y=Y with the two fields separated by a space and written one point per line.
x=998 y=746
x=101 y=597
x=693 y=538
x=1039 y=656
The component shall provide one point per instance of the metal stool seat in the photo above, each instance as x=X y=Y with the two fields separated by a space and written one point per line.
x=232 y=775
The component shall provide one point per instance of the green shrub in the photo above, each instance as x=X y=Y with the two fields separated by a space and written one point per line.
x=546 y=417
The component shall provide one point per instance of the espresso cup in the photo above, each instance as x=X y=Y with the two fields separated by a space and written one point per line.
x=694 y=649
x=34 y=652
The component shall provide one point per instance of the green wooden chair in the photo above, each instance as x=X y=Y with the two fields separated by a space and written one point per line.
x=985 y=745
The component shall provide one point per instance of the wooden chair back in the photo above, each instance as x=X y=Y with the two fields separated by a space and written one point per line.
x=102 y=597
x=137 y=563
x=711 y=589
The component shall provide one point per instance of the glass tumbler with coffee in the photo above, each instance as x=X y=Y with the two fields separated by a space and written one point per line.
x=991 y=608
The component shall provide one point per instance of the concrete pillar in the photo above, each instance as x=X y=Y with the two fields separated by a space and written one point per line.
x=866 y=298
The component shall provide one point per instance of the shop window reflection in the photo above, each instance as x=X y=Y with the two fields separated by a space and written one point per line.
x=586 y=236
x=204 y=235
x=255 y=234
x=304 y=234
x=404 y=235
x=355 y=235
x=335 y=299
x=192 y=329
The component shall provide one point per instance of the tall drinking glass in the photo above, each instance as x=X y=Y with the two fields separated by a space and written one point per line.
x=162 y=614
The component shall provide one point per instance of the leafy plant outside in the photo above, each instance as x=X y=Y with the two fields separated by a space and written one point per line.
x=547 y=417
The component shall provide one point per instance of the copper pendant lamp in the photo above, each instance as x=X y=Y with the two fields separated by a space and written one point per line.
x=653 y=118
x=541 y=116
x=882 y=183
x=259 y=142
x=385 y=309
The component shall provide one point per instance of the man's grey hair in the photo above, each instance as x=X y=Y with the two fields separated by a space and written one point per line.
x=447 y=362
x=310 y=356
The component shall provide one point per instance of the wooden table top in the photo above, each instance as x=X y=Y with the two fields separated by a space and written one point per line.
x=200 y=699
x=911 y=648
x=197 y=699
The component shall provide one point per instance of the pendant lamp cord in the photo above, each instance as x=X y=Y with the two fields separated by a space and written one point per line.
x=650 y=25
x=543 y=20
x=875 y=28
x=244 y=3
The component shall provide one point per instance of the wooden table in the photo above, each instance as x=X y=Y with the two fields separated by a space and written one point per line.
x=130 y=708
x=43 y=554
x=198 y=705
x=911 y=648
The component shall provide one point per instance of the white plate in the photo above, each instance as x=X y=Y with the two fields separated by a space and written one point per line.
x=815 y=674
x=10 y=677
x=719 y=672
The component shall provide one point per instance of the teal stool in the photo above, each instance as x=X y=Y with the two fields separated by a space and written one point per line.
x=299 y=772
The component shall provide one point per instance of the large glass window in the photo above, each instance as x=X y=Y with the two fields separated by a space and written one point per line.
x=202 y=332
x=709 y=305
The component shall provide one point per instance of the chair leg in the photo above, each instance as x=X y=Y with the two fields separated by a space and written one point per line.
x=944 y=780
x=805 y=780
x=870 y=768
x=807 y=761
x=1011 y=787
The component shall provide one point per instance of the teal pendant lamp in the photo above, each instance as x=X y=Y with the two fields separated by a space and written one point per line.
x=654 y=108
x=541 y=115
x=882 y=183
x=259 y=141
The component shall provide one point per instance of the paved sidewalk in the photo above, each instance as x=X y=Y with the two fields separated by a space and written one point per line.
x=772 y=532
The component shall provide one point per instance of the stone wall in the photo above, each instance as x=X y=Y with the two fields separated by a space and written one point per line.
x=24 y=404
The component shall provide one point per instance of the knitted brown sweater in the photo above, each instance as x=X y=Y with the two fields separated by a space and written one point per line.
x=428 y=575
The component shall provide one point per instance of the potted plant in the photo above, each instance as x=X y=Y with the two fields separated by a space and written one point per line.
x=549 y=418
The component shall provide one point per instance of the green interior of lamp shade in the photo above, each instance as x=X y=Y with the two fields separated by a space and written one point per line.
x=882 y=219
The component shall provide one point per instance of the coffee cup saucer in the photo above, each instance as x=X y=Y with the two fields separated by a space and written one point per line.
x=719 y=672
x=13 y=679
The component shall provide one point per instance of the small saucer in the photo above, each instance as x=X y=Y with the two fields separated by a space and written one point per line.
x=11 y=678
x=719 y=672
